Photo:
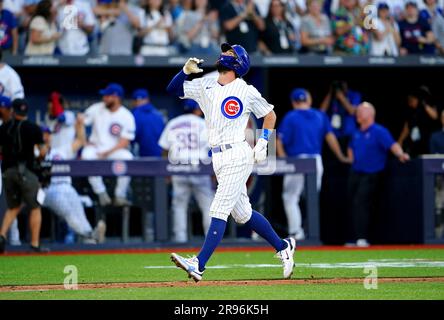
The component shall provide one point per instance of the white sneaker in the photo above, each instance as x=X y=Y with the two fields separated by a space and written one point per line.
x=286 y=256
x=190 y=265
x=362 y=243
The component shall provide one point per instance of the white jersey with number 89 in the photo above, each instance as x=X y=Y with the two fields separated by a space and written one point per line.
x=226 y=107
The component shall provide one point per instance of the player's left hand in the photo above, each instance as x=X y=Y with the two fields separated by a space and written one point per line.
x=260 y=150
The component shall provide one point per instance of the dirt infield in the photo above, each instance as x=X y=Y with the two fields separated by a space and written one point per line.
x=130 y=285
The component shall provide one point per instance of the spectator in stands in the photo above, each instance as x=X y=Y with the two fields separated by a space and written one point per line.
x=175 y=8
x=198 y=30
x=75 y=30
x=149 y=124
x=421 y=120
x=242 y=24
x=185 y=141
x=340 y=104
x=118 y=24
x=278 y=36
x=368 y=151
x=60 y=122
x=431 y=9
x=301 y=134
x=113 y=128
x=434 y=15
x=295 y=10
x=19 y=138
x=351 y=36
x=316 y=33
x=385 y=39
x=157 y=31
x=43 y=34
x=8 y=30
x=416 y=33
x=61 y=197
x=10 y=82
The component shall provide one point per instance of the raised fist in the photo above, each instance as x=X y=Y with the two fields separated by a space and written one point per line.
x=192 y=66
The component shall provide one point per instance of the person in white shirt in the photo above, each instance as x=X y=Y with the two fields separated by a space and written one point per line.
x=60 y=121
x=113 y=128
x=385 y=40
x=76 y=20
x=185 y=140
x=61 y=197
x=157 y=30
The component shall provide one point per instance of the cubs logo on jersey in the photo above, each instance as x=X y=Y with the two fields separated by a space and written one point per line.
x=232 y=107
x=115 y=129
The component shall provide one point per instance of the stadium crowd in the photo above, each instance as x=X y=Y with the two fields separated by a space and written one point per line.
x=166 y=27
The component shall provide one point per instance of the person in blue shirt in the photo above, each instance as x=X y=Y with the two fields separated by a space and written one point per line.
x=149 y=125
x=368 y=150
x=8 y=30
x=340 y=105
x=301 y=134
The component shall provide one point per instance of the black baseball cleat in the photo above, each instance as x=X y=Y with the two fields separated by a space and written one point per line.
x=39 y=249
x=2 y=244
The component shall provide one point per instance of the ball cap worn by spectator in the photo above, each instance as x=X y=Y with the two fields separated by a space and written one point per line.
x=299 y=95
x=5 y=102
x=411 y=3
x=113 y=89
x=45 y=129
x=140 y=94
x=20 y=107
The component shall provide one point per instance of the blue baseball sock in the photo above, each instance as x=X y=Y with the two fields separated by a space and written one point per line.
x=262 y=227
x=214 y=236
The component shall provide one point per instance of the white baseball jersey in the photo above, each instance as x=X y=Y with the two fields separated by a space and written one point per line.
x=61 y=153
x=109 y=127
x=62 y=133
x=226 y=108
x=186 y=139
x=10 y=83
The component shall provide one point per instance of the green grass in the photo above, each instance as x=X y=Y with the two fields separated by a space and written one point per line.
x=34 y=270
x=385 y=291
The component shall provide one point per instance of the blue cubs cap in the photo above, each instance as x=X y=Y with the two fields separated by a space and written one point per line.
x=5 y=102
x=45 y=129
x=190 y=105
x=383 y=5
x=113 y=89
x=140 y=94
x=299 y=94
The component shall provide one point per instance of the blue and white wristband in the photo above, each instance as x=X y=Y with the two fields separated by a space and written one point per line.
x=266 y=133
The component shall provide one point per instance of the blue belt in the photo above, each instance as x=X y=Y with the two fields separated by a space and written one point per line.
x=221 y=148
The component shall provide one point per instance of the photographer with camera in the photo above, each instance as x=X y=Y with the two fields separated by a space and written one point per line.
x=421 y=119
x=340 y=104
x=20 y=140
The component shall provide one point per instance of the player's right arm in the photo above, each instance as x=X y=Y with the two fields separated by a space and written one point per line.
x=177 y=86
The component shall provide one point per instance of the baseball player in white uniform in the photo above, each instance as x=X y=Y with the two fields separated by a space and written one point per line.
x=185 y=137
x=113 y=127
x=227 y=103
x=61 y=122
x=62 y=198
x=10 y=83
